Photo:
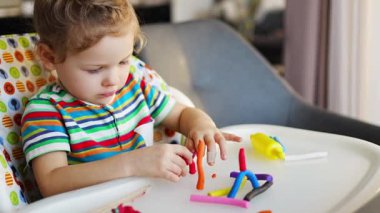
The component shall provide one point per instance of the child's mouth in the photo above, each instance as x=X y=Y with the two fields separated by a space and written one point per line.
x=108 y=94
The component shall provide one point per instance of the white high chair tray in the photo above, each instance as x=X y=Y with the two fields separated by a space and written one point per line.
x=343 y=181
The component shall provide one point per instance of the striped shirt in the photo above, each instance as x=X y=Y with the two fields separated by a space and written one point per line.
x=56 y=121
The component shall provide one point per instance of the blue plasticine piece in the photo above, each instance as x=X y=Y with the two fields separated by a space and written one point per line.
x=236 y=186
x=251 y=177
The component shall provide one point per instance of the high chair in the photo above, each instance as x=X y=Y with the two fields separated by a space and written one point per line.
x=205 y=60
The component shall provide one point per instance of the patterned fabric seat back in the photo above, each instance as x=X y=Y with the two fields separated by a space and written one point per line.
x=20 y=77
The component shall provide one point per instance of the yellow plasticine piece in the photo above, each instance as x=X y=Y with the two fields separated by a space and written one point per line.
x=268 y=147
x=225 y=191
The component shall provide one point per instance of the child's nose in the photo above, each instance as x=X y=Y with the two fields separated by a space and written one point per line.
x=112 y=78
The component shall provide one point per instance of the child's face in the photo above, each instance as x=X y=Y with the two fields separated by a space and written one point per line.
x=95 y=74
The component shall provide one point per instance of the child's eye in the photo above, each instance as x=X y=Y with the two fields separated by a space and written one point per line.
x=94 y=71
x=125 y=62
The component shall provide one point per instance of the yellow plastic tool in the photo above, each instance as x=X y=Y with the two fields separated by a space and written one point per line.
x=267 y=146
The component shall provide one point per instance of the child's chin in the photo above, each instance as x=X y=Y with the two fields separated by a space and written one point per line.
x=108 y=100
x=105 y=101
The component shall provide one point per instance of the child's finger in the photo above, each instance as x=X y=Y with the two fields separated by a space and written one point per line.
x=172 y=177
x=184 y=173
x=195 y=138
x=180 y=161
x=211 y=149
x=211 y=155
x=175 y=169
x=190 y=144
x=184 y=154
x=222 y=145
x=231 y=137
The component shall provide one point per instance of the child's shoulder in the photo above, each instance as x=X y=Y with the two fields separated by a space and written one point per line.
x=137 y=67
x=51 y=91
x=142 y=71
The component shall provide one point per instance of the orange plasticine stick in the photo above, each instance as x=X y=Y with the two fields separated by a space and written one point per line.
x=201 y=175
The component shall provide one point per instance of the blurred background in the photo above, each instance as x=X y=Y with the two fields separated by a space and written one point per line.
x=326 y=49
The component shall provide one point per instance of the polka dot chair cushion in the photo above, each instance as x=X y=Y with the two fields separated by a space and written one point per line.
x=11 y=195
x=20 y=77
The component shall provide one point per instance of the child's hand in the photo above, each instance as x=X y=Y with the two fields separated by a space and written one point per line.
x=210 y=136
x=166 y=161
x=198 y=126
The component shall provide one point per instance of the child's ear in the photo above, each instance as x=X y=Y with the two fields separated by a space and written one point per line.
x=46 y=55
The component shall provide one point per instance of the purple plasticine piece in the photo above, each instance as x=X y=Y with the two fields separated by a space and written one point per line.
x=266 y=177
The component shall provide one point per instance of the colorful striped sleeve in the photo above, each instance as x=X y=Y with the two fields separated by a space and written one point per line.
x=160 y=104
x=155 y=89
x=42 y=129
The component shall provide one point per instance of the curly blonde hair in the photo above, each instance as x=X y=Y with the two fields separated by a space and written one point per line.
x=75 y=25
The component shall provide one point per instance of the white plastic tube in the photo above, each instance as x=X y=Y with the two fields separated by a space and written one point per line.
x=308 y=156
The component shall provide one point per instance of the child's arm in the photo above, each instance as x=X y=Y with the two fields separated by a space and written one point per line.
x=197 y=125
x=54 y=175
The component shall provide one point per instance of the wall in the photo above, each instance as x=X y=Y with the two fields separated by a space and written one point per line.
x=184 y=10
x=353 y=61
